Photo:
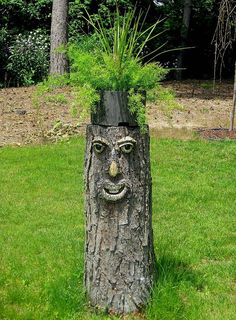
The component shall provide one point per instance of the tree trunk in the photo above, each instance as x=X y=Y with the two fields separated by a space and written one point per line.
x=184 y=35
x=58 y=58
x=232 y=115
x=119 y=254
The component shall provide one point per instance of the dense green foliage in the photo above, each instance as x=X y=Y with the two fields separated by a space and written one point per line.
x=115 y=61
x=28 y=57
x=42 y=232
x=111 y=59
x=108 y=75
x=18 y=16
x=198 y=61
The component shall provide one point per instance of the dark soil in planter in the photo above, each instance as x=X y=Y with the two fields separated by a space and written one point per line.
x=217 y=134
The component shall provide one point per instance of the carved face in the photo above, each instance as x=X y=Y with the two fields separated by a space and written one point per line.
x=113 y=161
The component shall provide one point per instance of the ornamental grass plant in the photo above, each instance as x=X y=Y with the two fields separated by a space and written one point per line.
x=113 y=59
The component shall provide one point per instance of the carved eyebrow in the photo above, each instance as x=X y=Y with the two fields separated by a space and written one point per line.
x=100 y=140
x=126 y=140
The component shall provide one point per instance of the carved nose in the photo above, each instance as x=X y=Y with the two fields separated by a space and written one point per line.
x=113 y=170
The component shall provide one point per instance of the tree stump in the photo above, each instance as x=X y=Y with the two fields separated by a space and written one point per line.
x=119 y=254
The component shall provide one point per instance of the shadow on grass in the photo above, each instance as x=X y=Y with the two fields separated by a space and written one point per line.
x=172 y=295
x=175 y=288
x=65 y=295
x=176 y=271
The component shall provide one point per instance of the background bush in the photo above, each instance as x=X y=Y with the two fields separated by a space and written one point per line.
x=19 y=16
x=28 y=59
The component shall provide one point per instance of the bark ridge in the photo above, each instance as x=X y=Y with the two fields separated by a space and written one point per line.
x=119 y=255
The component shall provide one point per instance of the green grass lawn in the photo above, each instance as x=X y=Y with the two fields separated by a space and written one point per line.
x=42 y=231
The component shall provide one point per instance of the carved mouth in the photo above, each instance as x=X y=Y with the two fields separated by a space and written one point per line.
x=114 y=192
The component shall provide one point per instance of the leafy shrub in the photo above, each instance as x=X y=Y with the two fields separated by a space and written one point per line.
x=115 y=61
x=102 y=72
x=29 y=57
x=92 y=71
x=112 y=59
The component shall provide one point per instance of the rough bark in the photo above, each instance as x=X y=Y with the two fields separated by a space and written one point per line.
x=119 y=255
x=58 y=58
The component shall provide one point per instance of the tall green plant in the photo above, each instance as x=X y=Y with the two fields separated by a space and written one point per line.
x=116 y=62
x=126 y=37
x=113 y=59
x=92 y=71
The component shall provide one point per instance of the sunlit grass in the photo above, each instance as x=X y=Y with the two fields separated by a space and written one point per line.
x=195 y=230
x=42 y=231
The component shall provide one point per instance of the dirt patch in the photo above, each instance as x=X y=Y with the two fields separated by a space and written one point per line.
x=200 y=107
x=21 y=123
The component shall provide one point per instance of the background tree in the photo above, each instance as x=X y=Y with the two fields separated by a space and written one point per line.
x=224 y=35
x=59 y=37
x=224 y=40
x=232 y=114
x=187 y=8
x=181 y=30
x=21 y=17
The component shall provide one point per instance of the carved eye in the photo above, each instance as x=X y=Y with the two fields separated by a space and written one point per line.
x=127 y=147
x=98 y=147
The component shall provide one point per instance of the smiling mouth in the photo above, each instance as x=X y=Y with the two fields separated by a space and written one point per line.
x=114 y=192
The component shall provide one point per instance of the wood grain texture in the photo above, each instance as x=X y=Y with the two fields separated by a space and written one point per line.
x=119 y=255
x=59 y=37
